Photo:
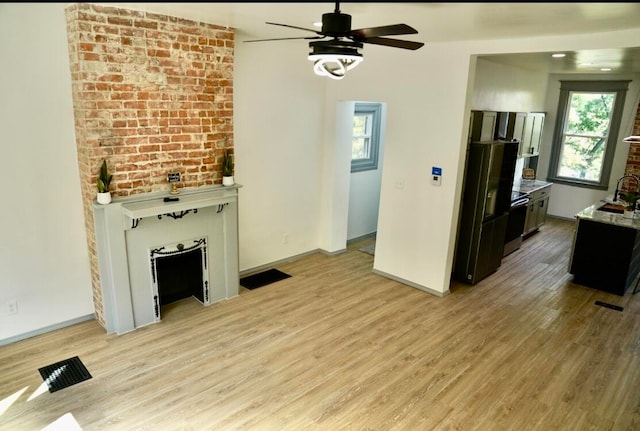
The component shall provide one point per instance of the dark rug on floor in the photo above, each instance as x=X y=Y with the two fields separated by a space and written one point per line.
x=263 y=278
x=64 y=374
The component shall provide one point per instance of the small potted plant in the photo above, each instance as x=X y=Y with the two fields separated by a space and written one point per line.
x=631 y=198
x=102 y=182
x=227 y=168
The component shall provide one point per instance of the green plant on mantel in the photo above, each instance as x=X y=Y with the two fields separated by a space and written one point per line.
x=227 y=164
x=104 y=178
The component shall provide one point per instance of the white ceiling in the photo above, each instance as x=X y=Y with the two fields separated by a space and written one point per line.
x=437 y=22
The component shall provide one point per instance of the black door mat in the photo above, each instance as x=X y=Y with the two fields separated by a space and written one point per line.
x=64 y=374
x=611 y=306
x=263 y=278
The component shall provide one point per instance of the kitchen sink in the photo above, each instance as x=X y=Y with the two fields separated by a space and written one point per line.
x=612 y=208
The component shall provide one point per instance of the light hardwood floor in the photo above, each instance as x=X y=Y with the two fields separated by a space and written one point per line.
x=336 y=347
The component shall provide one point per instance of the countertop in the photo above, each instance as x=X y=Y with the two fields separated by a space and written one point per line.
x=591 y=213
x=528 y=186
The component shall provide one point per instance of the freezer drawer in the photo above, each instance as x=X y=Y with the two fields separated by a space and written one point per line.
x=484 y=256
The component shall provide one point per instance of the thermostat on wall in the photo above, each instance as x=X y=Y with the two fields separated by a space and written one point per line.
x=436 y=176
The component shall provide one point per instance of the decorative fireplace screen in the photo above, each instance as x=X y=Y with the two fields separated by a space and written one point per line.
x=178 y=272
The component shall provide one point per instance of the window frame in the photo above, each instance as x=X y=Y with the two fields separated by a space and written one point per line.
x=371 y=162
x=566 y=88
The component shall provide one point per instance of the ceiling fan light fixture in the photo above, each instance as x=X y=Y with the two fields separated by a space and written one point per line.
x=334 y=58
x=334 y=65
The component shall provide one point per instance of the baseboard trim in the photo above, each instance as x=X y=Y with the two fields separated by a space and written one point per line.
x=332 y=253
x=561 y=217
x=46 y=329
x=260 y=268
x=412 y=284
x=371 y=235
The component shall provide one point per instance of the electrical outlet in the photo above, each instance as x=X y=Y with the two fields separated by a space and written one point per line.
x=12 y=307
x=285 y=238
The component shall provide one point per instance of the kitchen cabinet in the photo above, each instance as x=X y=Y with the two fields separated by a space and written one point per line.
x=537 y=209
x=515 y=128
x=532 y=133
x=482 y=126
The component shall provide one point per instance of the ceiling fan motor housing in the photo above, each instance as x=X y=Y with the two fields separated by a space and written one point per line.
x=336 y=24
x=335 y=46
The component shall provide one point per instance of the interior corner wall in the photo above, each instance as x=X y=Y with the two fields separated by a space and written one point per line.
x=152 y=95
x=279 y=132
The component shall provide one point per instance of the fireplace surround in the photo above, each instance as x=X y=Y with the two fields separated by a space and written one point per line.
x=131 y=233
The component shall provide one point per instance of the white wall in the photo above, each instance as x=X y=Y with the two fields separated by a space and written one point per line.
x=498 y=87
x=44 y=262
x=415 y=220
x=278 y=106
x=566 y=201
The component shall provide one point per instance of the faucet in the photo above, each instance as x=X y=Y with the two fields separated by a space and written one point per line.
x=634 y=177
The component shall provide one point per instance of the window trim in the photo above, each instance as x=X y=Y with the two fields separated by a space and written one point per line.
x=566 y=87
x=370 y=163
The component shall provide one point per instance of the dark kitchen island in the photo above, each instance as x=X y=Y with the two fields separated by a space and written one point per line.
x=606 y=249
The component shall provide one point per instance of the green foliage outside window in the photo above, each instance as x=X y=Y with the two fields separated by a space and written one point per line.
x=585 y=135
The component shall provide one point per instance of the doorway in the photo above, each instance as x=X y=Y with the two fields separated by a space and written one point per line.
x=366 y=171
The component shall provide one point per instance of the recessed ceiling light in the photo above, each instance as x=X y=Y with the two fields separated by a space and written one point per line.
x=558 y=55
x=605 y=69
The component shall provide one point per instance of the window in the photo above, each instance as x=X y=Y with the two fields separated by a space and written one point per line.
x=366 y=137
x=586 y=131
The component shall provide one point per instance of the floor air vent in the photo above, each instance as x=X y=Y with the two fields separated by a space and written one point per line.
x=611 y=306
x=64 y=374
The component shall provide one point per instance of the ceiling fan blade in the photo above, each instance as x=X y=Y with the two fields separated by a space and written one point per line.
x=293 y=26
x=385 y=30
x=395 y=43
x=285 y=38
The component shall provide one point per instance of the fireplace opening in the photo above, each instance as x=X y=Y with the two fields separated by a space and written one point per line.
x=179 y=272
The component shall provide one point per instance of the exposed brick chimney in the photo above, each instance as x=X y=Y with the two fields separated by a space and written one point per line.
x=152 y=95
x=633 y=158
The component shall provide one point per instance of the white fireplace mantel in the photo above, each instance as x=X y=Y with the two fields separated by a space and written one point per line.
x=129 y=226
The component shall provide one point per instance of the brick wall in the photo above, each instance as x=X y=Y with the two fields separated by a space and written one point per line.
x=633 y=159
x=152 y=94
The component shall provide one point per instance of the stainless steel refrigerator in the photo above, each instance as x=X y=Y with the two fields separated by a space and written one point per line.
x=486 y=201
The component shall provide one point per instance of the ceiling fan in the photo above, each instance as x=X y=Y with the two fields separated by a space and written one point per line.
x=336 y=46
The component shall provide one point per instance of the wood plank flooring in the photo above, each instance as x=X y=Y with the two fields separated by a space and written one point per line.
x=336 y=347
